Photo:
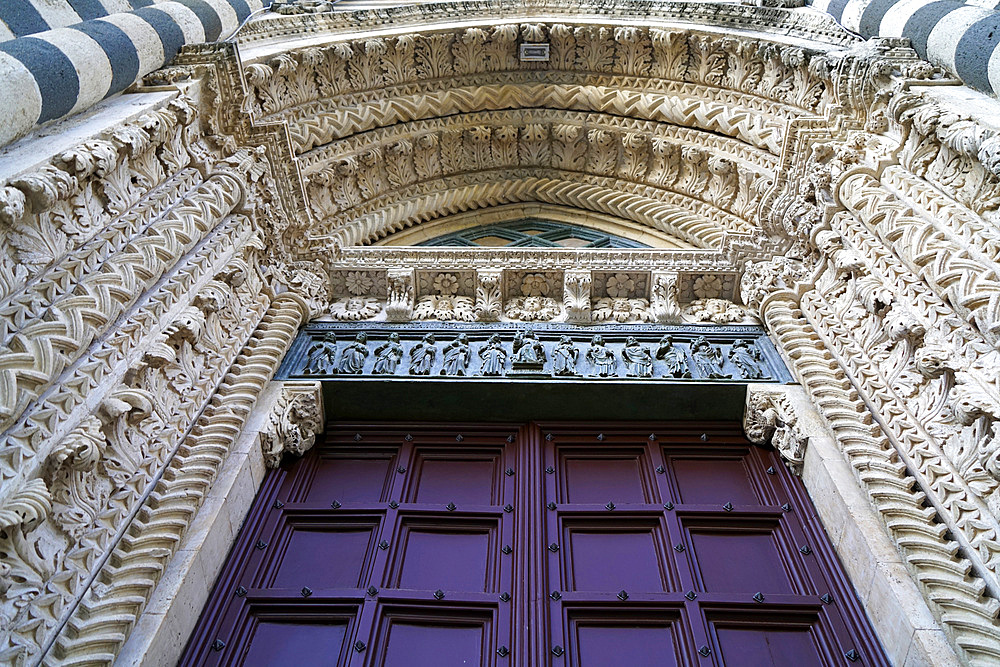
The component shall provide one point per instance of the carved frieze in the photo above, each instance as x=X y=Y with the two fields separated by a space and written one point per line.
x=334 y=351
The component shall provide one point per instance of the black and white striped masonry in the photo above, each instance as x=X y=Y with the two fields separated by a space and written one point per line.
x=59 y=57
x=962 y=37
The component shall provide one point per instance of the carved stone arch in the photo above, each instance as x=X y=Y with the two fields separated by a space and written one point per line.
x=514 y=212
x=693 y=221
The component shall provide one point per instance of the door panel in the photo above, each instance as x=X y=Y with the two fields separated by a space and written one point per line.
x=606 y=555
x=301 y=643
x=551 y=544
x=449 y=555
x=597 y=478
x=362 y=478
x=334 y=557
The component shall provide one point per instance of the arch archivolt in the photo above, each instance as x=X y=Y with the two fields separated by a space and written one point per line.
x=822 y=188
x=516 y=212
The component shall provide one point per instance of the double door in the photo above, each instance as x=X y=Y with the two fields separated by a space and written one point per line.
x=537 y=544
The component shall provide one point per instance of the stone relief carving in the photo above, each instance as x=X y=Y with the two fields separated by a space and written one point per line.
x=422 y=356
x=604 y=360
x=295 y=421
x=770 y=419
x=457 y=355
x=352 y=357
x=551 y=350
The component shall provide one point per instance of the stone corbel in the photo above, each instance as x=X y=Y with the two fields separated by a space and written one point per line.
x=489 y=295
x=295 y=421
x=576 y=296
x=771 y=418
x=400 y=296
x=663 y=303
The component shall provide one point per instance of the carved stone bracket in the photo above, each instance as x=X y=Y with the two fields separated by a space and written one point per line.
x=296 y=420
x=770 y=418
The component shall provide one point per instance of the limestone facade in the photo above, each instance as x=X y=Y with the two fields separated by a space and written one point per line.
x=158 y=255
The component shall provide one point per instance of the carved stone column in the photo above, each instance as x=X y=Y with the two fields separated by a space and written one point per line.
x=130 y=576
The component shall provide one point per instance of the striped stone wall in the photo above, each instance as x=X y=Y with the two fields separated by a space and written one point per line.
x=59 y=57
x=962 y=37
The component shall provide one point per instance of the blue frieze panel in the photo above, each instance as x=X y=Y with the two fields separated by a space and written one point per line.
x=462 y=351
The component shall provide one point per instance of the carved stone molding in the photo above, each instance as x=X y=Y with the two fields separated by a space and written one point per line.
x=296 y=419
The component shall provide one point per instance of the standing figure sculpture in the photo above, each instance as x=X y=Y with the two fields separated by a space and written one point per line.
x=422 y=356
x=603 y=359
x=352 y=359
x=456 y=356
x=388 y=356
x=747 y=358
x=638 y=360
x=674 y=358
x=529 y=353
x=322 y=356
x=564 y=357
x=707 y=359
x=494 y=356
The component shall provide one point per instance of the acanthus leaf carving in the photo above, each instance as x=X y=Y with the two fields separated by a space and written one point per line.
x=576 y=296
x=79 y=491
x=489 y=296
x=663 y=304
x=295 y=421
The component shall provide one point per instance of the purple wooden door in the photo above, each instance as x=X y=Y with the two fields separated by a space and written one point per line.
x=546 y=544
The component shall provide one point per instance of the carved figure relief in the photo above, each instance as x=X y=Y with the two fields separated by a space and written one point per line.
x=494 y=356
x=674 y=359
x=456 y=356
x=564 y=357
x=708 y=359
x=529 y=354
x=603 y=359
x=638 y=360
x=422 y=356
x=747 y=358
x=352 y=359
x=322 y=356
x=388 y=356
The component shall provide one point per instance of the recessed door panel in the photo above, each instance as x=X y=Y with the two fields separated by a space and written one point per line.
x=713 y=481
x=739 y=561
x=421 y=637
x=350 y=480
x=768 y=647
x=616 y=645
x=291 y=643
x=327 y=558
x=454 y=480
x=446 y=557
x=601 y=478
x=612 y=560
